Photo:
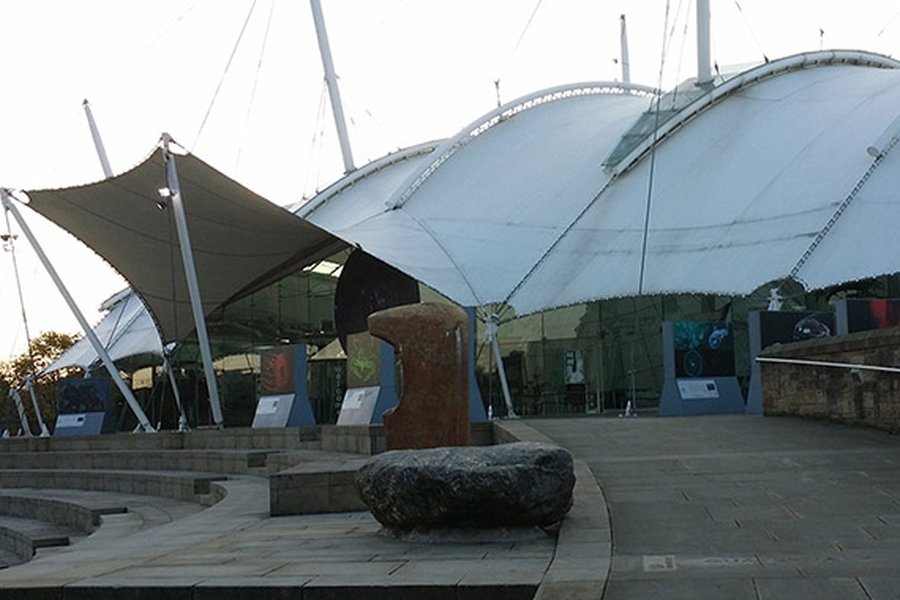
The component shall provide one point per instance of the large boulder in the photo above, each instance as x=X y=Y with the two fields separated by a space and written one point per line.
x=509 y=485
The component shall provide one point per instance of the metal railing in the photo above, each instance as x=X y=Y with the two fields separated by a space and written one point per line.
x=822 y=363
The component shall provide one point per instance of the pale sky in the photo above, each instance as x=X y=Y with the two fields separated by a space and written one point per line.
x=410 y=71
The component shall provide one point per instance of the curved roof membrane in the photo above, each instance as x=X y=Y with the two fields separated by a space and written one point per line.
x=472 y=218
x=763 y=178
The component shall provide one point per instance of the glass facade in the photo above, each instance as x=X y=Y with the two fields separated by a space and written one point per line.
x=592 y=358
x=588 y=358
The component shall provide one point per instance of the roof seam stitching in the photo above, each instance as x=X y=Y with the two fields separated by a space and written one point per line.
x=737 y=84
x=449 y=256
x=841 y=209
x=361 y=175
x=503 y=114
x=558 y=240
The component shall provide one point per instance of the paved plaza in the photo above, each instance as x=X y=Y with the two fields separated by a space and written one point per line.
x=729 y=507
x=757 y=508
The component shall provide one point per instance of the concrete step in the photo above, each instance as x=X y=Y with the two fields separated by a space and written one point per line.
x=52 y=510
x=88 y=510
x=316 y=487
x=213 y=461
x=198 y=439
x=23 y=536
x=181 y=485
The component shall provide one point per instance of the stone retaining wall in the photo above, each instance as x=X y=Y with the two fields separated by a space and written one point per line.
x=864 y=397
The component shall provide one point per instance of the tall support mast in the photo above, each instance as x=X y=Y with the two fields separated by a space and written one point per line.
x=107 y=172
x=98 y=141
x=331 y=80
x=704 y=71
x=12 y=251
x=88 y=331
x=190 y=273
x=623 y=38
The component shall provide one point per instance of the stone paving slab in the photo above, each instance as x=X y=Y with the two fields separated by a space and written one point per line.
x=235 y=549
x=744 y=507
x=701 y=507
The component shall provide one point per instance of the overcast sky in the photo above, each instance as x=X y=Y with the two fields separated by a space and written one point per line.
x=410 y=71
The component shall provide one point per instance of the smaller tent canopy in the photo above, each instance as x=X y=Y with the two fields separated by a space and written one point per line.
x=126 y=330
x=241 y=242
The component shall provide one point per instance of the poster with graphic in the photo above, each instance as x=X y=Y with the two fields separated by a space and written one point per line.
x=85 y=395
x=703 y=349
x=865 y=314
x=363 y=360
x=277 y=371
x=784 y=327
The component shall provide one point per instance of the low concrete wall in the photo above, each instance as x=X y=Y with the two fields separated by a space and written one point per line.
x=245 y=438
x=190 y=487
x=369 y=439
x=871 y=399
x=329 y=486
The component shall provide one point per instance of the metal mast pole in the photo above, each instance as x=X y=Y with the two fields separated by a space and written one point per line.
x=331 y=79
x=704 y=74
x=98 y=142
x=107 y=171
x=190 y=273
x=88 y=331
x=12 y=250
x=626 y=66
x=182 y=418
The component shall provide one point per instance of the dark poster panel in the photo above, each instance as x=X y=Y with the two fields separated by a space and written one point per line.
x=367 y=285
x=363 y=360
x=87 y=395
x=782 y=327
x=277 y=371
x=703 y=349
x=872 y=313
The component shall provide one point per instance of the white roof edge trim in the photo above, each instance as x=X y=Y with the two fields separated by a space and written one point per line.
x=337 y=188
x=746 y=79
x=115 y=299
x=501 y=114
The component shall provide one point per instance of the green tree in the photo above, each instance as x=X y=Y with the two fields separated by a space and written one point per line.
x=44 y=350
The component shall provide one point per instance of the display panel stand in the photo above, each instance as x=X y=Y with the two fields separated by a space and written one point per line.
x=697 y=395
x=83 y=407
x=477 y=413
x=371 y=386
x=865 y=314
x=770 y=327
x=754 y=393
x=283 y=401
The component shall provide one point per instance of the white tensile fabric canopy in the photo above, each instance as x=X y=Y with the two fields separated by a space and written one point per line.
x=126 y=330
x=240 y=241
x=471 y=217
x=764 y=178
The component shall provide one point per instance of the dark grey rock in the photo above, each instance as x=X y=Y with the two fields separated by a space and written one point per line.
x=508 y=485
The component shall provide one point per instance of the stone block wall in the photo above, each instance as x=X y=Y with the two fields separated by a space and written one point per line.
x=864 y=397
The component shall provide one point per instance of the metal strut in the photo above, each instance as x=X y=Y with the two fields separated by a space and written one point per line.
x=29 y=385
x=190 y=273
x=143 y=422
x=493 y=323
